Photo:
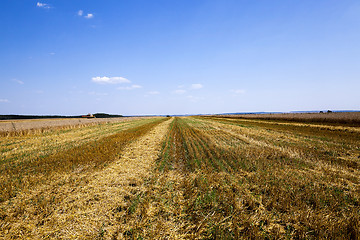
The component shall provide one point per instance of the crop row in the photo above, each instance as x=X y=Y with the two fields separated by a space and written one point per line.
x=25 y=172
x=219 y=179
x=341 y=118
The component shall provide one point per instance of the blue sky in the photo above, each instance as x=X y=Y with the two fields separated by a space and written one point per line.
x=177 y=57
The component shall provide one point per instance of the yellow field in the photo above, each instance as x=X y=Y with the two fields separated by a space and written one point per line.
x=182 y=178
x=30 y=126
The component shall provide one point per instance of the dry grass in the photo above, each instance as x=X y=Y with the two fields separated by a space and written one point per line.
x=9 y=128
x=341 y=118
x=30 y=160
x=39 y=144
x=85 y=204
x=215 y=178
x=228 y=180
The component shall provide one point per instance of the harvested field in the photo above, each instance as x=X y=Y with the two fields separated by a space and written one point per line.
x=230 y=179
x=21 y=127
x=347 y=118
x=183 y=178
x=28 y=160
x=80 y=203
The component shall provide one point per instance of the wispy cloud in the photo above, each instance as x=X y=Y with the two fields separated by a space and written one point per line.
x=130 y=87
x=76 y=92
x=89 y=15
x=179 y=91
x=43 y=5
x=196 y=86
x=193 y=98
x=238 y=91
x=153 y=92
x=2 y=100
x=110 y=80
x=18 y=81
x=98 y=94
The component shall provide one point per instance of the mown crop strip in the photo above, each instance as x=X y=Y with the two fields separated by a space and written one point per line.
x=235 y=190
x=26 y=174
x=346 y=139
x=337 y=118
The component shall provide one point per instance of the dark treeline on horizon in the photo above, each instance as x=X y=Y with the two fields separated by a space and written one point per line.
x=19 y=117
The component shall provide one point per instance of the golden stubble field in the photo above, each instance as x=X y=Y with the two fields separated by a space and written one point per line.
x=182 y=178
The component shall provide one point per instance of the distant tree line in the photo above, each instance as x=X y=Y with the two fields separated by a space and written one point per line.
x=18 y=117
x=105 y=115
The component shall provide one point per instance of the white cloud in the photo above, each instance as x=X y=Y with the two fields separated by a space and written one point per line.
x=4 y=100
x=110 y=80
x=52 y=53
x=98 y=94
x=43 y=5
x=194 y=99
x=196 y=86
x=238 y=91
x=153 y=92
x=18 y=81
x=89 y=15
x=76 y=92
x=130 y=88
x=81 y=14
x=179 y=91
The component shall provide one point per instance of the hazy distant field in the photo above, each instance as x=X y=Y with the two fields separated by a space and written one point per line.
x=348 y=118
x=21 y=127
x=184 y=178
